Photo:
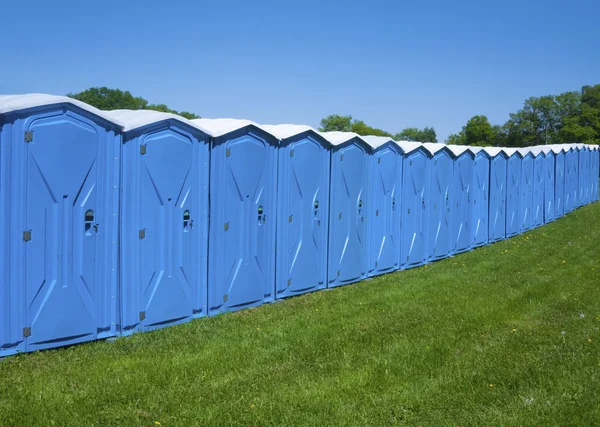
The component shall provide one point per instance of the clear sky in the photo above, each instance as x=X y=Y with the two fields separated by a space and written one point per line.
x=392 y=64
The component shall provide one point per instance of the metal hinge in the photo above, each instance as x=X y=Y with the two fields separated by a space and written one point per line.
x=28 y=136
x=291 y=153
x=142 y=149
x=225 y=298
x=340 y=216
x=342 y=158
x=142 y=233
x=291 y=218
x=377 y=212
x=338 y=273
x=379 y=160
x=26 y=332
x=142 y=316
x=228 y=152
x=226 y=226
x=26 y=235
x=289 y=282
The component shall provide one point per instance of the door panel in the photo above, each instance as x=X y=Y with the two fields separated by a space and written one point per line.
x=497 y=221
x=440 y=206
x=384 y=219
x=414 y=203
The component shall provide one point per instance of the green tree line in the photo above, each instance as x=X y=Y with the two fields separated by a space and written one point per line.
x=105 y=98
x=568 y=118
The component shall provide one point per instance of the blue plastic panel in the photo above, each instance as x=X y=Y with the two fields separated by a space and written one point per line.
x=349 y=200
x=571 y=180
x=513 y=190
x=582 y=189
x=479 y=198
x=539 y=179
x=243 y=184
x=497 y=218
x=384 y=217
x=415 y=199
x=164 y=224
x=549 y=187
x=462 y=234
x=559 y=185
x=594 y=174
x=302 y=215
x=440 y=204
x=60 y=242
x=526 y=194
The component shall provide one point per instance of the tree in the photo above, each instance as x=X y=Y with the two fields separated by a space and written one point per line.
x=427 y=134
x=359 y=127
x=479 y=132
x=105 y=98
x=335 y=122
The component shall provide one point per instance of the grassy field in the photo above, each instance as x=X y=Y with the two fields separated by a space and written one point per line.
x=505 y=335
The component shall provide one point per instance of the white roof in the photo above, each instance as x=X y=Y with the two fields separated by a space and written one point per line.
x=494 y=151
x=339 y=138
x=286 y=131
x=457 y=150
x=510 y=151
x=556 y=148
x=524 y=151
x=433 y=147
x=408 y=146
x=377 y=141
x=10 y=103
x=536 y=150
x=134 y=119
x=220 y=127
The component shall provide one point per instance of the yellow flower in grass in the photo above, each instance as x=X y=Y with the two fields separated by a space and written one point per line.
x=491 y=385
x=589 y=340
x=564 y=262
x=252 y=406
x=514 y=330
x=157 y=423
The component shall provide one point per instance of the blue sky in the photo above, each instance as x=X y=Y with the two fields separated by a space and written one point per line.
x=392 y=64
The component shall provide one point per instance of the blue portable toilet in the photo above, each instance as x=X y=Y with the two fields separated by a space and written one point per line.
x=549 y=183
x=415 y=202
x=385 y=182
x=59 y=201
x=348 y=208
x=526 y=191
x=513 y=190
x=480 y=208
x=497 y=198
x=581 y=175
x=539 y=179
x=571 y=177
x=242 y=197
x=462 y=214
x=559 y=180
x=302 y=209
x=440 y=187
x=595 y=173
x=164 y=220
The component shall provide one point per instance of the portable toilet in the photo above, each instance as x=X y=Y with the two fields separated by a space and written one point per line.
x=440 y=174
x=164 y=220
x=480 y=209
x=539 y=175
x=595 y=173
x=348 y=208
x=513 y=190
x=242 y=197
x=559 y=180
x=497 y=198
x=302 y=209
x=59 y=202
x=583 y=176
x=526 y=191
x=385 y=182
x=415 y=200
x=462 y=213
x=571 y=177
x=549 y=183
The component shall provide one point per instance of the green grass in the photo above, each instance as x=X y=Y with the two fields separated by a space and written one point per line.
x=497 y=336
